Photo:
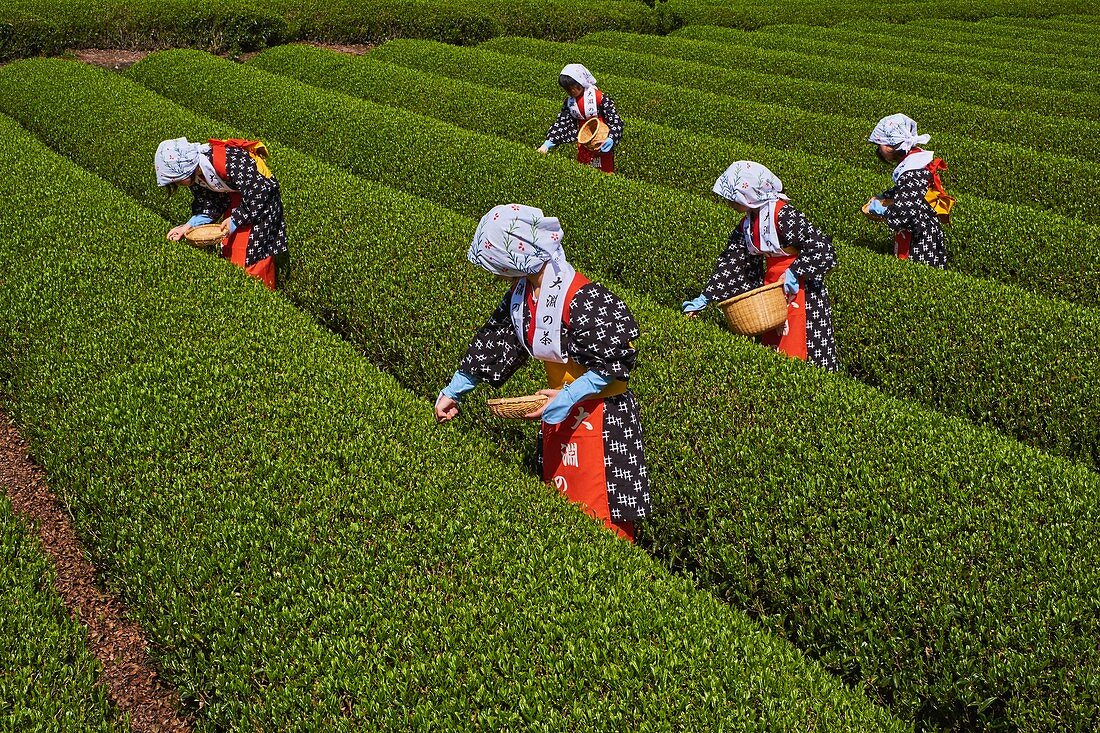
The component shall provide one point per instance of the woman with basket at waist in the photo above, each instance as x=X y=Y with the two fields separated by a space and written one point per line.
x=775 y=242
x=585 y=102
x=914 y=206
x=590 y=445
x=231 y=183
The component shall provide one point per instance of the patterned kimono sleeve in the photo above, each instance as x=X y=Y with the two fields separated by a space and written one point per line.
x=495 y=353
x=737 y=271
x=816 y=255
x=601 y=332
x=258 y=192
x=909 y=203
x=565 y=128
x=209 y=203
x=610 y=115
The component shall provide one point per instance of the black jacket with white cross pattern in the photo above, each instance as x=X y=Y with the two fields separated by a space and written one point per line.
x=261 y=205
x=911 y=212
x=566 y=126
x=598 y=337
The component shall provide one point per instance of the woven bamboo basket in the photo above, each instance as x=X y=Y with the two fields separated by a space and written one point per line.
x=757 y=311
x=514 y=408
x=593 y=134
x=206 y=235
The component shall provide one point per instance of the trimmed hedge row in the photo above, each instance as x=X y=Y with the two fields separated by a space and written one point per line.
x=824 y=189
x=30 y=27
x=976 y=36
x=321 y=556
x=751 y=15
x=730 y=48
x=48 y=674
x=904 y=40
x=1024 y=28
x=965 y=70
x=993 y=170
x=917 y=352
x=870 y=564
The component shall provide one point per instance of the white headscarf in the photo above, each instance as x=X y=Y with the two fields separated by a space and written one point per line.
x=897 y=131
x=514 y=240
x=177 y=159
x=579 y=74
x=753 y=185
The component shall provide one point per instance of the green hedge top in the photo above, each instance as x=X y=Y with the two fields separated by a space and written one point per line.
x=304 y=547
x=48 y=673
x=855 y=457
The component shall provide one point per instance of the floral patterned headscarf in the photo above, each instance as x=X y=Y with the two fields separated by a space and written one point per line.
x=751 y=184
x=514 y=240
x=897 y=131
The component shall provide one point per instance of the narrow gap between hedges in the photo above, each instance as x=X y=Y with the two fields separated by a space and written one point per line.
x=119 y=59
x=119 y=644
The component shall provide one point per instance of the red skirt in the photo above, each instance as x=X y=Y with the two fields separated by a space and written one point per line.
x=235 y=249
x=573 y=461
x=600 y=161
x=790 y=338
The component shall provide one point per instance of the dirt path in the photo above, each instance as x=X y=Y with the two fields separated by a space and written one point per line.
x=117 y=643
x=116 y=59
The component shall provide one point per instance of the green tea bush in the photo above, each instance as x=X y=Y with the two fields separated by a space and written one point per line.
x=30 y=27
x=920 y=37
x=991 y=169
x=306 y=549
x=728 y=47
x=879 y=561
x=811 y=41
x=48 y=674
x=948 y=345
x=985 y=37
x=823 y=188
x=1078 y=33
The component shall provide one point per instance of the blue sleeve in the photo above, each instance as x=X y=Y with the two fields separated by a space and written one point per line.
x=460 y=384
x=588 y=384
x=199 y=219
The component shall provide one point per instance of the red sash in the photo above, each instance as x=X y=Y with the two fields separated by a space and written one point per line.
x=235 y=246
x=790 y=338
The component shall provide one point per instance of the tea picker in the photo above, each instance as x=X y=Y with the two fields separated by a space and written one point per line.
x=230 y=183
x=588 y=117
x=774 y=248
x=917 y=203
x=590 y=441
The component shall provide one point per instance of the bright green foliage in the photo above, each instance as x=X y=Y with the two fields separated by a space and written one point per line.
x=821 y=42
x=731 y=48
x=1080 y=34
x=990 y=169
x=865 y=534
x=306 y=549
x=29 y=27
x=922 y=36
x=825 y=190
x=985 y=36
x=751 y=14
x=48 y=678
x=945 y=343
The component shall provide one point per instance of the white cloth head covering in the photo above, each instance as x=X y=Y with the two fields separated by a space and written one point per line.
x=753 y=185
x=177 y=159
x=579 y=74
x=897 y=131
x=514 y=240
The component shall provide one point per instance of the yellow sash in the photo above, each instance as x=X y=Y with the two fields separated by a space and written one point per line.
x=558 y=375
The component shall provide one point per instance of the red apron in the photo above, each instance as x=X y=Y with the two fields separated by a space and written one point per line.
x=790 y=338
x=600 y=161
x=573 y=451
x=235 y=246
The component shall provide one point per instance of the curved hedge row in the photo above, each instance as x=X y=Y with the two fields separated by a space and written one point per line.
x=31 y=27
x=917 y=349
x=320 y=555
x=906 y=39
x=1024 y=28
x=727 y=47
x=48 y=673
x=807 y=40
x=751 y=15
x=979 y=37
x=993 y=170
x=880 y=563
x=1059 y=268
